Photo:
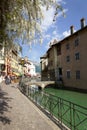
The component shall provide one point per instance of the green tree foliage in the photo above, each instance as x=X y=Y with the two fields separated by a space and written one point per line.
x=22 y=18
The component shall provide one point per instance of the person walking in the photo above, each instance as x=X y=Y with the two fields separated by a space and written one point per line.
x=7 y=79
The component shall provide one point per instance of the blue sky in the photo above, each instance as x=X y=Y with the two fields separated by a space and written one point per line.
x=74 y=10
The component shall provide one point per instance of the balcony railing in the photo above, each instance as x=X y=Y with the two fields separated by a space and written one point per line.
x=67 y=115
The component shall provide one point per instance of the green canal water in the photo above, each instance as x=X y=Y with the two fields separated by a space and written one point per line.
x=75 y=97
x=71 y=114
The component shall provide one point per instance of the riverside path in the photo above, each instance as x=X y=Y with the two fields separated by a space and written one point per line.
x=17 y=112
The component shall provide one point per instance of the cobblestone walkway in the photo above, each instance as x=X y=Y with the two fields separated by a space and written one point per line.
x=18 y=113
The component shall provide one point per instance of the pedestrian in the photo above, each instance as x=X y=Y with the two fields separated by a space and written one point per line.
x=7 y=79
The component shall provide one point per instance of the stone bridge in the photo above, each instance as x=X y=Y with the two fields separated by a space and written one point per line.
x=41 y=84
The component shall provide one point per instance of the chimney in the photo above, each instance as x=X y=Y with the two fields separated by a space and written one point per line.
x=82 y=23
x=72 y=29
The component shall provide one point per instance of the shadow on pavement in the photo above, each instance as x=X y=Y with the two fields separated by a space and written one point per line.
x=4 y=106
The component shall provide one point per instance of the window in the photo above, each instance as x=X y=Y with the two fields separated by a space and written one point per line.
x=48 y=55
x=14 y=56
x=67 y=46
x=77 y=56
x=1 y=47
x=68 y=58
x=78 y=74
x=59 y=50
x=76 y=42
x=68 y=74
x=50 y=63
x=60 y=71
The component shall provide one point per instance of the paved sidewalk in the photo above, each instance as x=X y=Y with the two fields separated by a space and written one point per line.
x=19 y=113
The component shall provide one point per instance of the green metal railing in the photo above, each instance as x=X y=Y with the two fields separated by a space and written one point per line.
x=63 y=112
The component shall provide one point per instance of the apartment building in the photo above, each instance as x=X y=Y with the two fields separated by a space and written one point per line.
x=2 y=60
x=44 y=67
x=28 y=67
x=67 y=59
x=55 y=61
x=73 y=56
x=9 y=61
x=52 y=68
x=16 y=70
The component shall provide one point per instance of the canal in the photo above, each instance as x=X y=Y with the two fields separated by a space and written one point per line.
x=75 y=97
x=69 y=108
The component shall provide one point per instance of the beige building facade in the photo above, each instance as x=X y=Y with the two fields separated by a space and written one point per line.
x=74 y=61
x=52 y=70
x=67 y=59
x=44 y=67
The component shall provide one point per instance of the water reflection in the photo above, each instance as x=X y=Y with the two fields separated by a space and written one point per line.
x=36 y=93
x=34 y=87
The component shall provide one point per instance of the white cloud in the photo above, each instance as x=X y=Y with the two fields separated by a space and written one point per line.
x=47 y=46
x=61 y=1
x=62 y=13
x=47 y=23
x=54 y=32
x=66 y=33
x=47 y=36
x=34 y=54
x=48 y=18
x=56 y=35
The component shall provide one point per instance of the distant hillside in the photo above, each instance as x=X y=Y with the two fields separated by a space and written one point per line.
x=38 y=68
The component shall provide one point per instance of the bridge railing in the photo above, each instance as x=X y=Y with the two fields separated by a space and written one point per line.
x=65 y=113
